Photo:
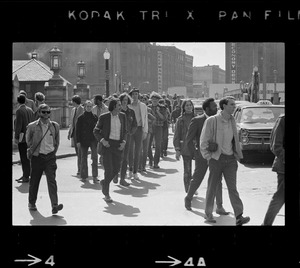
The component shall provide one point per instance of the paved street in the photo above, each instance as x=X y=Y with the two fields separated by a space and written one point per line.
x=157 y=199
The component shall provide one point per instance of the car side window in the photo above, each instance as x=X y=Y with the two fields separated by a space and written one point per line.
x=236 y=113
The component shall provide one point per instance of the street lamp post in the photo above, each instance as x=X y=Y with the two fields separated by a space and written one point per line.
x=106 y=56
x=275 y=94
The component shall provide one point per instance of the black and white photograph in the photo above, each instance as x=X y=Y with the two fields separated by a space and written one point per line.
x=163 y=174
x=152 y=134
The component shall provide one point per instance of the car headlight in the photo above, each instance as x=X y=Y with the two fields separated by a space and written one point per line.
x=244 y=132
x=245 y=140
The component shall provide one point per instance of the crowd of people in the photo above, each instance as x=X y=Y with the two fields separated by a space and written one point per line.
x=121 y=132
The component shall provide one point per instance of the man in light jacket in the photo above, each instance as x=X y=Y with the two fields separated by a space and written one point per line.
x=141 y=115
x=221 y=129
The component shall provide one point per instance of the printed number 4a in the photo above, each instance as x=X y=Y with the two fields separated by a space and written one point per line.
x=50 y=260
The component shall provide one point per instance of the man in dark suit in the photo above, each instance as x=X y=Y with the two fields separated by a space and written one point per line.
x=201 y=165
x=77 y=110
x=24 y=116
x=111 y=130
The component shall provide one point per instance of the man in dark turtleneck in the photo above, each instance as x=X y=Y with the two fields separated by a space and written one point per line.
x=85 y=139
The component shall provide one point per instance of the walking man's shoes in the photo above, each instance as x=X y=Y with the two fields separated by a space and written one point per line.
x=124 y=183
x=32 y=207
x=57 y=208
x=242 y=220
x=209 y=218
x=22 y=180
x=221 y=211
x=187 y=203
x=115 y=179
x=95 y=180
x=107 y=199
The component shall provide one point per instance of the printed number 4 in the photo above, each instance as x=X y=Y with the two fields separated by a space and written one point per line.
x=50 y=260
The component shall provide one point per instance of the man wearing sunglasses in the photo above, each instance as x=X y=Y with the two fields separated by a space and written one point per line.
x=42 y=138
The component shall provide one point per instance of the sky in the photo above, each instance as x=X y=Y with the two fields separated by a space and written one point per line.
x=203 y=53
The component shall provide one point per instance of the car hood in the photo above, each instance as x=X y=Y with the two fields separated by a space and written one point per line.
x=256 y=125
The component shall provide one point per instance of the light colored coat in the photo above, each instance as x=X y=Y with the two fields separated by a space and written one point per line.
x=208 y=133
x=73 y=120
x=144 y=115
x=34 y=134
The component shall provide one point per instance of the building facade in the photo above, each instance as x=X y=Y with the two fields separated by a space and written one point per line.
x=143 y=65
x=204 y=76
x=241 y=58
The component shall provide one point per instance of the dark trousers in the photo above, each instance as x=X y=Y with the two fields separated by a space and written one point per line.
x=201 y=167
x=124 y=161
x=276 y=202
x=144 y=152
x=134 y=149
x=78 y=153
x=226 y=165
x=157 y=135
x=40 y=164
x=112 y=163
x=165 y=139
x=187 y=171
x=84 y=161
x=22 y=146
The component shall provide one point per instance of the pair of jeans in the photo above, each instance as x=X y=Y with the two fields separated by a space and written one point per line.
x=276 y=202
x=201 y=167
x=22 y=146
x=165 y=139
x=227 y=166
x=124 y=161
x=157 y=135
x=134 y=149
x=144 y=151
x=39 y=164
x=112 y=162
x=187 y=171
x=84 y=161
x=78 y=153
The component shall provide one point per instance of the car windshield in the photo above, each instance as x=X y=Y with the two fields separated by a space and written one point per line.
x=261 y=114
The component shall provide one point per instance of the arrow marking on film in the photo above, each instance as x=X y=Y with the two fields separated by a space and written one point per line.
x=173 y=262
x=35 y=260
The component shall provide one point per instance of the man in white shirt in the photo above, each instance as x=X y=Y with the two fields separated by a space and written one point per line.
x=111 y=130
x=42 y=138
x=141 y=115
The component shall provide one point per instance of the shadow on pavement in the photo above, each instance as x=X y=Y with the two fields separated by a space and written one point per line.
x=23 y=188
x=167 y=170
x=88 y=185
x=39 y=219
x=138 y=188
x=117 y=208
x=198 y=202
x=152 y=175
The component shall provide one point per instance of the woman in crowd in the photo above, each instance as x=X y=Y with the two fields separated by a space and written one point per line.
x=179 y=140
x=145 y=142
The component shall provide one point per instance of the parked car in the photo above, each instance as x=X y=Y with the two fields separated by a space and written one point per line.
x=255 y=122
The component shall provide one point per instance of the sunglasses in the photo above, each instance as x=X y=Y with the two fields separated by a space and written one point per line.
x=45 y=112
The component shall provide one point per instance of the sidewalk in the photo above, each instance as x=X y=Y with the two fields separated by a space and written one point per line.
x=64 y=149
